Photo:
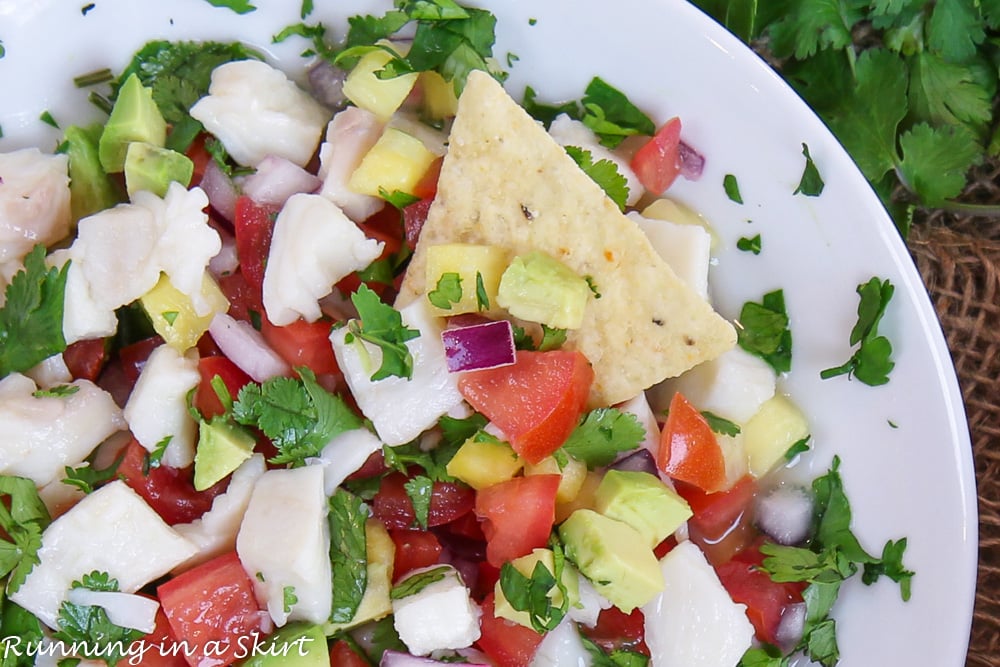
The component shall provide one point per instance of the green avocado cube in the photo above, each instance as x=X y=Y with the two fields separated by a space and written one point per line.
x=149 y=167
x=642 y=501
x=135 y=117
x=222 y=448
x=539 y=288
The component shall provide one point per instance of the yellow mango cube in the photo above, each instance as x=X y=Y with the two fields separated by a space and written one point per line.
x=768 y=435
x=472 y=264
x=396 y=162
x=440 y=101
x=572 y=476
x=382 y=97
x=173 y=315
x=482 y=462
x=584 y=499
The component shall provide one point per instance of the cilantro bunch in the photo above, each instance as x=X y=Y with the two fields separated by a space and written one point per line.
x=907 y=86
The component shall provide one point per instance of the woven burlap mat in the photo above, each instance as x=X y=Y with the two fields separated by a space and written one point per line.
x=959 y=259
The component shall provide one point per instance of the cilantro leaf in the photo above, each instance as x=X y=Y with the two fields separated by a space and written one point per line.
x=534 y=595
x=417 y=582
x=238 y=6
x=732 y=188
x=546 y=113
x=31 y=316
x=23 y=517
x=749 y=244
x=603 y=434
x=456 y=431
x=955 y=29
x=871 y=362
x=720 y=425
x=381 y=325
x=763 y=330
x=763 y=656
x=447 y=292
x=87 y=477
x=419 y=489
x=935 y=161
x=15 y=621
x=90 y=629
x=610 y=114
x=946 y=93
x=433 y=461
x=811 y=184
x=348 y=554
x=603 y=172
x=817 y=24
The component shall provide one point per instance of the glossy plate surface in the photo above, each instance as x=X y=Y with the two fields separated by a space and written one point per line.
x=905 y=446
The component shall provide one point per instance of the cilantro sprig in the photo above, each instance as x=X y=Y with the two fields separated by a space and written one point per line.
x=348 y=554
x=23 y=517
x=602 y=435
x=381 y=325
x=89 y=628
x=603 y=172
x=764 y=330
x=871 y=362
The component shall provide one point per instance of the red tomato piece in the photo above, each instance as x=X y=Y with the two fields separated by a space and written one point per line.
x=303 y=343
x=414 y=217
x=85 y=359
x=245 y=302
x=657 y=162
x=342 y=655
x=427 y=186
x=387 y=227
x=618 y=631
x=766 y=600
x=536 y=402
x=206 y=400
x=509 y=644
x=517 y=515
x=414 y=549
x=133 y=357
x=689 y=451
x=169 y=491
x=392 y=504
x=722 y=523
x=212 y=606
x=200 y=156
x=253 y=224
x=161 y=648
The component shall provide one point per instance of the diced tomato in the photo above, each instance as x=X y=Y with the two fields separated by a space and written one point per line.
x=133 y=356
x=253 y=224
x=200 y=156
x=206 y=400
x=373 y=466
x=342 y=655
x=517 y=515
x=414 y=549
x=303 y=343
x=657 y=162
x=536 y=402
x=85 y=359
x=722 y=523
x=387 y=227
x=245 y=301
x=160 y=646
x=689 y=451
x=427 y=186
x=414 y=217
x=392 y=504
x=212 y=606
x=169 y=491
x=617 y=631
x=766 y=600
x=509 y=644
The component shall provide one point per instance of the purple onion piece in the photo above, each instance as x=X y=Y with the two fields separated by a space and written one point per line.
x=220 y=190
x=641 y=460
x=327 y=83
x=692 y=162
x=480 y=346
x=277 y=179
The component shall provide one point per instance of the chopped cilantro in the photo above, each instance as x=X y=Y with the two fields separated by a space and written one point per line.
x=289 y=598
x=59 y=391
x=534 y=595
x=546 y=113
x=31 y=316
x=87 y=477
x=170 y=316
x=23 y=517
x=3 y=50
x=763 y=656
x=90 y=629
x=811 y=184
x=15 y=621
x=763 y=330
x=511 y=59
x=348 y=554
x=306 y=10
x=871 y=362
x=48 y=119
x=482 y=298
x=93 y=78
x=314 y=33
x=552 y=339
x=418 y=490
x=238 y=6
x=732 y=188
x=155 y=457
x=455 y=431
x=447 y=292
x=434 y=461
x=603 y=172
x=398 y=198
x=721 y=425
x=750 y=244
x=602 y=434
x=415 y=583
x=381 y=325
x=798 y=447
x=592 y=284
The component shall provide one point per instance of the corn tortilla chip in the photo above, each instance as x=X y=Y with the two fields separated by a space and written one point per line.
x=506 y=182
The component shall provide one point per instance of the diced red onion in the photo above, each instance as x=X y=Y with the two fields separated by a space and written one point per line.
x=226 y=261
x=791 y=626
x=246 y=348
x=785 y=514
x=276 y=179
x=400 y=659
x=641 y=460
x=327 y=83
x=220 y=189
x=692 y=162
x=479 y=346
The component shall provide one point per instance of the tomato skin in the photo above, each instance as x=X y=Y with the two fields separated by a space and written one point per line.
x=85 y=359
x=200 y=156
x=253 y=224
x=211 y=605
x=617 y=631
x=158 y=645
x=394 y=508
x=245 y=302
x=509 y=644
x=302 y=343
x=206 y=401
x=427 y=186
x=766 y=600
x=342 y=655
x=169 y=491
x=689 y=451
x=657 y=163
x=517 y=516
x=414 y=549
x=536 y=402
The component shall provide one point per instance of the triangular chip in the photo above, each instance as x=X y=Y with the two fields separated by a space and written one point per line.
x=506 y=182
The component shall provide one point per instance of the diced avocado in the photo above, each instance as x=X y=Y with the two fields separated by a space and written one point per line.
x=366 y=90
x=90 y=189
x=395 y=163
x=572 y=475
x=526 y=565
x=173 y=314
x=642 y=501
x=375 y=603
x=776 y=426
x=222 y=447
x=295 y=645
x=135 y=117
x=474 y=265
x=539 y=288
x=484 y=461
x=615 y=557
x=152 y=168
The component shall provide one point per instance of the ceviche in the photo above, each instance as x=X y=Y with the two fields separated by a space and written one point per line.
x=382 y=365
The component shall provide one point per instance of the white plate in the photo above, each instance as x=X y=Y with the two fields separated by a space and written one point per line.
x=914 y=479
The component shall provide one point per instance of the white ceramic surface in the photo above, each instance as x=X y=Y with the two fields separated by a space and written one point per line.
x=905 y=446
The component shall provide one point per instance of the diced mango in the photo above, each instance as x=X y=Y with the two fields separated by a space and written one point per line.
x=380 y=96
x=573 y=474
x=473 y=264
x=395 y=163
x=440 y=101
x=482 y=462
x=173 y=315
x=769 y=434
x=584 y=498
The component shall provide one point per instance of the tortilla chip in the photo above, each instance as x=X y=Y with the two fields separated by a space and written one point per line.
x=506 y=182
